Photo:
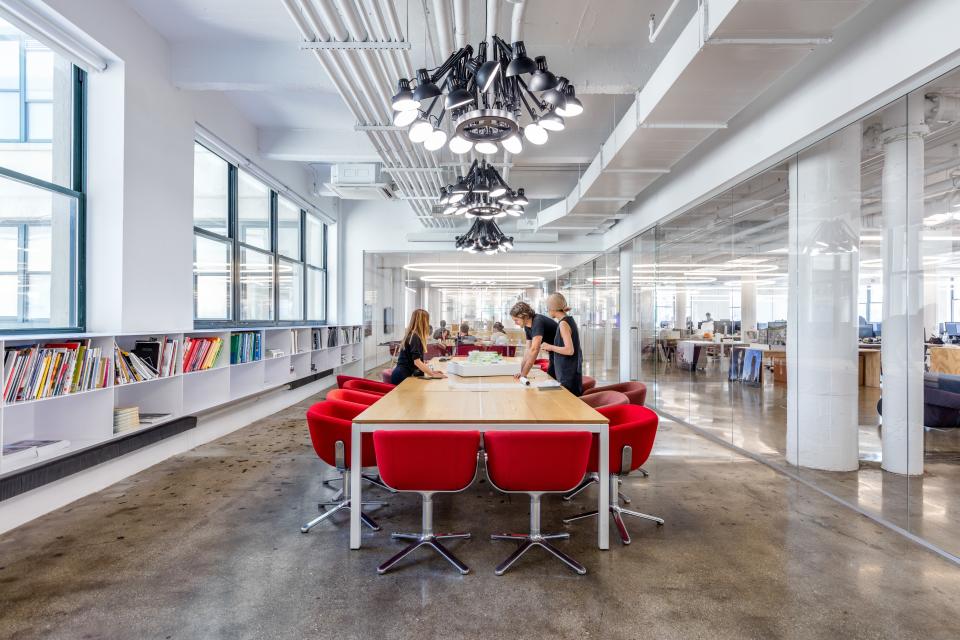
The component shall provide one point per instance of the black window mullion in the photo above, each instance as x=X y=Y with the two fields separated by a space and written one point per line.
x=232 y=226
x=275 y=250
x=304 y=315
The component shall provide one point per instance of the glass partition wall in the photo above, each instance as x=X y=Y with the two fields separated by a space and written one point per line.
x=808 y=314
x=478 y=291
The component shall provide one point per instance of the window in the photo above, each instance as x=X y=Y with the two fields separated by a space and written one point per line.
x=258 y=257
x=41 y=186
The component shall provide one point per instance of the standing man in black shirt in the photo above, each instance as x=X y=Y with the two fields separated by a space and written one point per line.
x=539 y=329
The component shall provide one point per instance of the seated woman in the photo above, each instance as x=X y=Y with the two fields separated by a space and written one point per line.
x=464 y=337
x=442 y=332
x=499 y=335
x=410 y=361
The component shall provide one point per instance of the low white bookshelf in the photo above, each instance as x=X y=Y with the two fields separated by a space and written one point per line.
x=86 y=418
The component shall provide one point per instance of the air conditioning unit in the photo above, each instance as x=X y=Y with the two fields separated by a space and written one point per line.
x=360 y=182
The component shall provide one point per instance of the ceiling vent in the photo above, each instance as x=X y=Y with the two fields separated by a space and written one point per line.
x=360 y=182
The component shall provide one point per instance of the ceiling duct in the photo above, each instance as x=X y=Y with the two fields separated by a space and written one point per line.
x=360 y=182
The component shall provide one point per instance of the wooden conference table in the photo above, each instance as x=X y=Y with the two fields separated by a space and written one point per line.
x=485 y=404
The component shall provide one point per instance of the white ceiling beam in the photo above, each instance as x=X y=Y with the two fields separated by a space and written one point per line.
x=316 y=145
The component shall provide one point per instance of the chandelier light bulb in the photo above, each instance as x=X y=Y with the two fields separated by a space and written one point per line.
x=420 y=130
x=435 y=140
x=513 y=144
x=460 y=145
x=486 y=147
x=403 y=99
x=552 y=122
x=535 y=133
x=403 y=118
x=573 y=106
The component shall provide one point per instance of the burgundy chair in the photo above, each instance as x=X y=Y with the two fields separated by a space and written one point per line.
x=342 y=379
x=351 y=395
x=465 y=349
x=386 y=376
x=635 y=391
x=632 y=432
x=588 y=384
x=330 y=423
x=506 y=350
x=369 y=386
x=427 y=462
x=603 y=399
x=543 y=363
x=536 y=462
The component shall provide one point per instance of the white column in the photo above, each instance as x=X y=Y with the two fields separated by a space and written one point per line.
x=822 y=383
x=902 y=353
x=748 y=304
x=626 y=311
x=681 y=310
x=930 y=301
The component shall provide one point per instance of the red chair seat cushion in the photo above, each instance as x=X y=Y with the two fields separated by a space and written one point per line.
x=370 y=386
x=636 y=391
x=537 y=460
x=330 y=422
x=352 y=395
x=422 y=460
x=603 y=399
x=588 y=383
x=629 y=425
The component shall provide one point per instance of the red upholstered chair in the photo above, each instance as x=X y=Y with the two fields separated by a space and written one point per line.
x=342 y=380
x=543 y=363
x=636 y=391
x=465 y=349
x=427 y=462
x=370 y=386
x=588 y=384
x=351 y=395
x=386 y=376
x=632 y=431
x=536 y=462
x=597 y=400
x=330 y=424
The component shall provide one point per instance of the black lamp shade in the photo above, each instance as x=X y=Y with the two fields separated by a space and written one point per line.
x=542 y=78
x=554 y=96
x=403 y=100
x=487 y=74
x=521 y=199
x=520 y=63
x=426 y=89
x=458 y=97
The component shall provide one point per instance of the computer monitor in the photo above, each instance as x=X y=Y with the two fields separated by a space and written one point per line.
x=761 y=325
x=952 y=329
x=866 y=331
x=877 y=326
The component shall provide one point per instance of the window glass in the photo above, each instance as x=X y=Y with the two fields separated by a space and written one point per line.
x=316 y=294
x=253 y=211
x=256 y=285
x=212 y=279
x=9 y=121
x=39 y=121
x=8 y=298
x=290 y=283
x=314 y=241
x=9 y=64
x=288 y=228
x=211 y=182
x=39 y=74
x=42 y=225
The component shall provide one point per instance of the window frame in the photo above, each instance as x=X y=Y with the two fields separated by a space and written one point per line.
x=236 y=246
x=77 y=190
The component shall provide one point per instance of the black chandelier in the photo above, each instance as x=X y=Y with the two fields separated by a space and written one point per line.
x=483 y=194
x=484 y=237
x=485 y=96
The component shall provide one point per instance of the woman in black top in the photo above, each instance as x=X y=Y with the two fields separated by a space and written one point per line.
x=410 y=360
x=567 y=359
x=539 y=330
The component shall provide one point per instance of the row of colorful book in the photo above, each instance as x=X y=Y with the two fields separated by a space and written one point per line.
x=200 y=354
x=53 y=369
x=245 y=346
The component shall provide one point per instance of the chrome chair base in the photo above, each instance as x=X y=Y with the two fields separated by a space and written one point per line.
x=343 y=505
x=529 y=541
x=617 y=512
x=426 y=540
x=594 y=478
x=374 y=480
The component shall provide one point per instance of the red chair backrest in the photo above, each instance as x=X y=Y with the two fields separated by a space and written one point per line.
x=537 y=460
x=369 y=386
x=629 y=425
x=506 y=350
x=465 y=349
x=352 y=395
x=417 y=460
x=353 y=409
x=329 y=423
x=343 y=379
x=601 y=399
x=636 y=391
x=588 y=383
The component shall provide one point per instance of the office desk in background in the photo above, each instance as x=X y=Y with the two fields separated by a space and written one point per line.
x=484 y=404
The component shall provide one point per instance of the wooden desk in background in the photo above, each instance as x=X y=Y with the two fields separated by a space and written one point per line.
x=869 y=367
x=944 y=359
x=484 y=404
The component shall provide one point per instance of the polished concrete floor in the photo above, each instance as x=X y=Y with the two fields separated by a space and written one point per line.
x=755 y=419
x=207 y=545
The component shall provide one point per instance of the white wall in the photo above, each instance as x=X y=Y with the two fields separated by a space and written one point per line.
x=140 y=167
x=889 y=48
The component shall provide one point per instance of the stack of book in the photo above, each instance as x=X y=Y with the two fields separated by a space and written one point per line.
x=129 y=367
x=53 y=369
x=200 y=353
x=30 y=449
x=126 y=419
x=245 y=347
x=159 y=353
x=294 y=341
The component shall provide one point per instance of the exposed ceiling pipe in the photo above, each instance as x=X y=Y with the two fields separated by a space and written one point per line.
x=493 y=14
x=441 y=16
x=460 y=22
x=311 y=24
x=655 y=28
x=516 y=21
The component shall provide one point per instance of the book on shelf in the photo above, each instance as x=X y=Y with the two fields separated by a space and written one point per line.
x=126 y=419
x=294 y=341
x=331 y=337
x=27 y=449
x=275 y=353
x=200 y=354
x=154 y=418
x=245 y=346
x=129 y=367
x=36 y=371
x=159 y=353
x=315 y=335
